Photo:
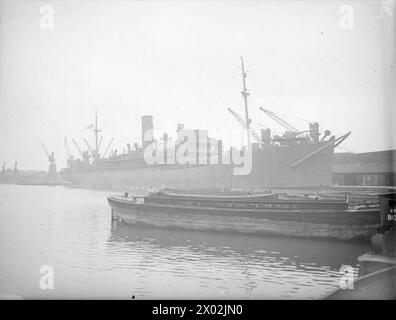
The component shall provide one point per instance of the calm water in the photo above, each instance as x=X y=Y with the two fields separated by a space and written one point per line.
x=71 y=230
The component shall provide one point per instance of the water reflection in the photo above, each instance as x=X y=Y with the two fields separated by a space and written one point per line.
x=259 y=266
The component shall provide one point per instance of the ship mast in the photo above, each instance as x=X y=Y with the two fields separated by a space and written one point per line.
x=245 y=95
x=96 y=131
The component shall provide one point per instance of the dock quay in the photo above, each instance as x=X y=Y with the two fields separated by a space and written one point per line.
x=377 y=272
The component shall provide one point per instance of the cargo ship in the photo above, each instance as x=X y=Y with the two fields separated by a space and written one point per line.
x=251 y=213
x=295 y=159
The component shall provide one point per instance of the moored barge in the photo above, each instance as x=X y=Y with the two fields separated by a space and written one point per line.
x=256 y=213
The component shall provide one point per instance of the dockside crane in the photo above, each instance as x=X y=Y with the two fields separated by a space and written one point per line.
x=46 y=151
x=244 y=125
x=52 y=165
x=69 y=156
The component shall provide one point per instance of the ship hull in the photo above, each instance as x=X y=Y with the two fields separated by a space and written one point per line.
x=271 y=167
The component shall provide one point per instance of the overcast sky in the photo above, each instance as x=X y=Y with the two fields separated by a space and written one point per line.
x=179 y=61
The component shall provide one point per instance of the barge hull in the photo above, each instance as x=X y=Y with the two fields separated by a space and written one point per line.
x=315 y=224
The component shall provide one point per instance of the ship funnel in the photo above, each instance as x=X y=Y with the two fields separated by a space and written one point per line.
x=147 y=130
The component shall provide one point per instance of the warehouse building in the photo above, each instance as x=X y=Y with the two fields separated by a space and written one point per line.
x=365 y=169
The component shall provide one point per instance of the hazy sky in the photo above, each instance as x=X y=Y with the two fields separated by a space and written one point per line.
x=179 y=61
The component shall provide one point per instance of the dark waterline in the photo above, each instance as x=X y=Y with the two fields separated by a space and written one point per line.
x=70 y=230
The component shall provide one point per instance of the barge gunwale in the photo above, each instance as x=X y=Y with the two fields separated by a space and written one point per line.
x=259 y=202
x=264 y=199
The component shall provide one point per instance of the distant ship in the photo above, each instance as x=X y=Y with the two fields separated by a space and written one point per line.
x=42 y=178
x=8 y=175
x=296 y=159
